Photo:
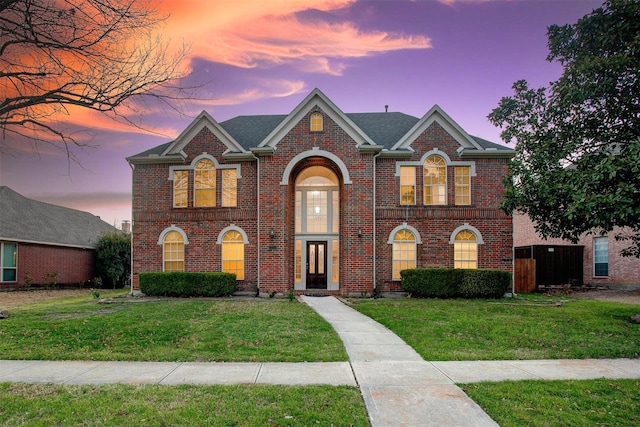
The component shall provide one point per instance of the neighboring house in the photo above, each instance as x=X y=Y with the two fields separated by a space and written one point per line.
x=41 y=244
x=599 y=260
x=319 y=201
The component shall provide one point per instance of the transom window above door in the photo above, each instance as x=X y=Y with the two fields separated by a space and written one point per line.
x=317 y=201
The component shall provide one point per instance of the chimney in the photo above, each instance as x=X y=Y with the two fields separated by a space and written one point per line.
x=386 y=108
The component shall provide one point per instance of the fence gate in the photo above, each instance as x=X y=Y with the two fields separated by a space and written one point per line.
x=524 y=277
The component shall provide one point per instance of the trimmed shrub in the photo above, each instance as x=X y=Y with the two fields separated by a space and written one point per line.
x=432 y=282
x=455 y=282
x=484 y=284
x=183 y=284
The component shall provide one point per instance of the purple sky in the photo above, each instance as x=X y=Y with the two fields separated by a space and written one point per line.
x=264 y=57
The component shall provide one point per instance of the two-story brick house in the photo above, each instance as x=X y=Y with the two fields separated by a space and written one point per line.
x=319 y=200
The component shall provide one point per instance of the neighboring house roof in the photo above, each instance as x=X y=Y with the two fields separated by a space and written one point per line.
x=26 y=220
x=392 y=132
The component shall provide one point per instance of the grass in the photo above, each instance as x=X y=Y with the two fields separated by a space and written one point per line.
x=152 y=405
x=599 y=402
x=509 y=329
x=182 y=330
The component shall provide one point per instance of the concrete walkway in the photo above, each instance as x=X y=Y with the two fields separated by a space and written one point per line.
x=398 y=386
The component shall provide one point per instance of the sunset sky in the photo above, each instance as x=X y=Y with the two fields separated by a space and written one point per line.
x=264 y=57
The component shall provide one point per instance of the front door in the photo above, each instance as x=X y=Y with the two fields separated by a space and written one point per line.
x=316 y=265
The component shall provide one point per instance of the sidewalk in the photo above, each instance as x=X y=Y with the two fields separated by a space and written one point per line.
x=399 y=388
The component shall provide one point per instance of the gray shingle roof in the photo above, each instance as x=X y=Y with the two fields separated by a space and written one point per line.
x=26 y=220
x=385 y=129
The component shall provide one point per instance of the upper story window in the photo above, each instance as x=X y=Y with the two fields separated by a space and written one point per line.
x=180 y=189
x=435 y=181
x=317 y=122
x=601 y=256
x=407 y=185
x=465 y=250
x=205 y=184
x=173 y=252
x=463 y=185
x=229 y=187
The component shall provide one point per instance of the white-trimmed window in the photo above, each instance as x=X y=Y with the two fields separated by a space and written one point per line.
x=173 y=252
x=180 y=189
x=601 y=256
x=465 y=250
x=407 y=185
x=205 y=184
x=435 y=181
x=229 y=187
x=463 y=185
x=8 y=262
x=233 y=253
x=404 y=252
x=316 y=122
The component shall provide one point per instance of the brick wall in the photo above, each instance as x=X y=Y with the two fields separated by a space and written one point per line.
x=271 y=259
x=48 y=264
x=623 y=271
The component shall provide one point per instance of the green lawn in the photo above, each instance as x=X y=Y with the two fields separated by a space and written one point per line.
x=279 y=330
x=180 y=330
x=153 y=405
x=599 y=402
x=532 y=328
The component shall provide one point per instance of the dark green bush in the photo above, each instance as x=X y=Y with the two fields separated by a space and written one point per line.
x=181 y=284
x=431 y=282
x=484 y=284
x=455 y=282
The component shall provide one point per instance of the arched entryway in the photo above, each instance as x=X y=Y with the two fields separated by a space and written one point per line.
x=317 y=228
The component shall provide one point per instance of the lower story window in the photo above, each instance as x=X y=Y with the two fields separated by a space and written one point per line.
x=465 y=250
x=173 y=252
x=601 y=257
x=404 y=252
x=233 y=254
x=9 y=258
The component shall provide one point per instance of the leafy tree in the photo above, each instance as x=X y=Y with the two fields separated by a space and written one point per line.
x=577 y=163
x=113 y=258
x=61 y=54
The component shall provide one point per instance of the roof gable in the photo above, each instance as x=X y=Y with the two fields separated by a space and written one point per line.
x=203 y=120
x=27 y=220
x=316 y=99
x=436 y=114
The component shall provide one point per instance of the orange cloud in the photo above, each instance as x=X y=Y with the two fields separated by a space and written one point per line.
x=249 y=33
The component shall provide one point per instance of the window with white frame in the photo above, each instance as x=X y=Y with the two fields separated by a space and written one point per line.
x=465 y=250
x=180 y=189
x=229 y=187
x=407 y=185
x=316 y=123
x=8 y=262
x=233 y=253
x=601 y=256
x=435 y=181
x=404 y=252
x=173 y=252
x=463 y=185
x=205 y=184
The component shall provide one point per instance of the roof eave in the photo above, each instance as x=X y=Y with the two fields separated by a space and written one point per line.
x=157 y=159
x=487 y=153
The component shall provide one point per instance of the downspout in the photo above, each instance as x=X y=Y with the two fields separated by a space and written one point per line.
x=258 y=220
x=375 y=281
x=131 y=250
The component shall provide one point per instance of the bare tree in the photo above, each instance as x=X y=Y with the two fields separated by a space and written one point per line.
x=93 y=54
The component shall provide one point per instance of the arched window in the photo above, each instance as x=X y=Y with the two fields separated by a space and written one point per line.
x=404 y=252
x=465 y=250
x=316 y=123
x=435 y=181
x=173 y=252
x=205 y=184
x=233 y=253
